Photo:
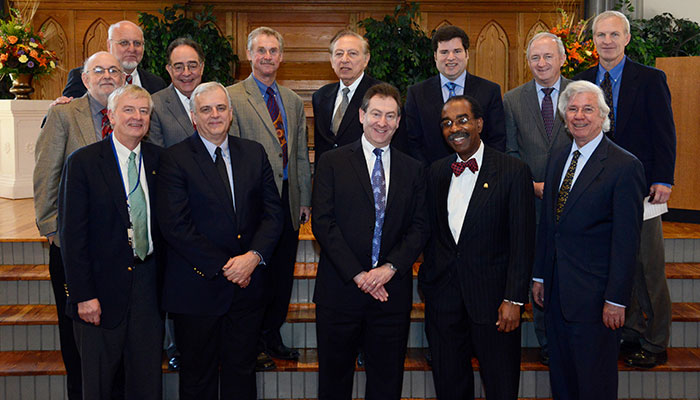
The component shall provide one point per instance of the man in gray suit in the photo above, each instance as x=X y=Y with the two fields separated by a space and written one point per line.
x=274 y=116
x=533 y=129
x=170 y=122
x=69 y=127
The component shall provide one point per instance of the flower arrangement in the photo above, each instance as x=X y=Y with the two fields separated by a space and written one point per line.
x=21 y=48
x=580 y=50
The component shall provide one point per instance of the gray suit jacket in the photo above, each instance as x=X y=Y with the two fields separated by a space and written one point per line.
x=170 y=123
x=68 y=127
x=251 y=120
x=525 y=135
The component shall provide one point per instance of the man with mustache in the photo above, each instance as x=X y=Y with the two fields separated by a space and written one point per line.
x=125 y=42
x=111 y=249
x=476 y=273
x=69 y=127
x=273 y=116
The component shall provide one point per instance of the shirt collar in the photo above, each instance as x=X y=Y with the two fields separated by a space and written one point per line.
x=122 y=151
x=352 y=86
x=556 y=85
x=368 y=148
x=615 y=72
x=211 y=147
x=478 y=156
x=589 y=147
x=95 y=106
x=263 y=88
x=460 y=81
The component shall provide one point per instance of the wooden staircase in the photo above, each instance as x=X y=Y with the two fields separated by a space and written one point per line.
x=31 y=365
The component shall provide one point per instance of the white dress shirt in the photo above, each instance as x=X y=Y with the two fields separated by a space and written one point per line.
x=185 y=103
x=123 y=158
x=135 y=78
x=339 y=96
x=460 y=194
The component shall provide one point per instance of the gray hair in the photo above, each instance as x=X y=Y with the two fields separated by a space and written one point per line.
x=347 y=32
x=207 y=87
x=118 y=25
x=132 y=91
x=263 y=30
x=557 y=40
x=578 y=87
x=612 y=14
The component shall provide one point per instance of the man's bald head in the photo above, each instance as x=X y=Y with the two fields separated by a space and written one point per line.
x=102 y=74
x=125 y=42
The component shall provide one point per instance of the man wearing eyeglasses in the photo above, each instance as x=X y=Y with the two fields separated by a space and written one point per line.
x=171 y=123
x=69 y=127
x=125 y=42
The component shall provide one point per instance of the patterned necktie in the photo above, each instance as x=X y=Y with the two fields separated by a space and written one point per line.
x=566 y=185
x=379 y=190
x=129 y=79
x=223 y=173
x=459 y=166
x=106 y=126
x=276 y=116
x=340 y=112
x=548 y=111
x=451 y=86
x=137 y=209
x=606 y=85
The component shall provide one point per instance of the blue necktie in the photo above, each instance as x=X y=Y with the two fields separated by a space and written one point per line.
x=451 y=86
x=379 y=190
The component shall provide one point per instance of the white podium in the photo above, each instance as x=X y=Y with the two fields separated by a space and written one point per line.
x=20 y=123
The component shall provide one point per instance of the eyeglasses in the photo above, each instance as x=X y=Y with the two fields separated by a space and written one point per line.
x=587 y=110
x=448 y=123
x=126 y=43
x=113 y=71
x=191 y=65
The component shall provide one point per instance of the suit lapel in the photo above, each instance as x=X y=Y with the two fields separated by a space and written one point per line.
x=109 y=166
x=628 y=92
x=558 y=128
x=178 y=112
x=359 y=165
x=558 y=165
x=204 y=161
x=485 y=185
x=292 y=117
x=443 y=188
x=84 y=119
x=434 y=97
x=353 y=106
x=590 y=171
x=326 y=115
x=257 y=101
x=531 y=98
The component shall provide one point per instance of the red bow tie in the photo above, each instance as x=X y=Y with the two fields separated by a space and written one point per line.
x=459 y=166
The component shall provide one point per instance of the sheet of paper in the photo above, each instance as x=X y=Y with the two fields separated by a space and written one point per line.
x=653 y=210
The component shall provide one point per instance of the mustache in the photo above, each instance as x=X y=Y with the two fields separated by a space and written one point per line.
x=458 y=135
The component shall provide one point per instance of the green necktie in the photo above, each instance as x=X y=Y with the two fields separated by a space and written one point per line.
x=137 y=209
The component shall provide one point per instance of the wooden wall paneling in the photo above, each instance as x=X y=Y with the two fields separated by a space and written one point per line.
x=685 y=97
x=95 y=38
x=57 y=41
x=492 y=54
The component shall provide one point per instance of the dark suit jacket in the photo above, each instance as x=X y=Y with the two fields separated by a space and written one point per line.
x=493 y=259
x=93 y=221
x=644 y=124
x=594 y=244
x=170 y=123
x=75 y=87
x=424 y=107
x=350 y=129
x=202 y=230
x=343 y=224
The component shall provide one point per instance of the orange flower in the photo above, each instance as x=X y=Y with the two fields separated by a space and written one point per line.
x=2 y=42
x=34 y=54
x=3 y=57
x=42 y=61
x=12 y=39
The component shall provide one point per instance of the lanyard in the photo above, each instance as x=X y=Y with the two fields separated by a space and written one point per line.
x=138 y=179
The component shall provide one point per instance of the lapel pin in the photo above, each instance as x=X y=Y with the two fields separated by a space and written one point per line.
x=486 y=185
x=154 y=172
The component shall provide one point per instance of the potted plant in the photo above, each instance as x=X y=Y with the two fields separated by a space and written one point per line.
x=158 y=32
x=22 y=53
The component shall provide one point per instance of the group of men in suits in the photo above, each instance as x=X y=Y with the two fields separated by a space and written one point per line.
x=234 y=186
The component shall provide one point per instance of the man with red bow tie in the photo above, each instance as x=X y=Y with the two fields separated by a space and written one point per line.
x=476 y=273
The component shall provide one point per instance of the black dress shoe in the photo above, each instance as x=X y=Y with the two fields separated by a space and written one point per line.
x=283 y=352
x=544 y=356
x=264 y=362
x=628 y=348
x=174 y=363
x=646 y=359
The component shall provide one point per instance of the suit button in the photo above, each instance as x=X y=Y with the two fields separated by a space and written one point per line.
x=239 y=236
x=280 y=175
x=280 y=155
x=335 y=145
x=130 y=269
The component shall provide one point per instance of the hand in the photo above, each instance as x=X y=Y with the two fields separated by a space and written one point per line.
x=90 y=311
x=539 y=189
x=613 y=316
x=659 y=194
x=376 y=277
x=61 y=100
x=50 y=238
x=238 y=269
x=304 y=214
x=508 y=317
x=538 y=293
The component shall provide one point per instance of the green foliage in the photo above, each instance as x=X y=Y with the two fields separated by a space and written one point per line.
x=401 y=52
x=661 y=36
x=158 y=32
